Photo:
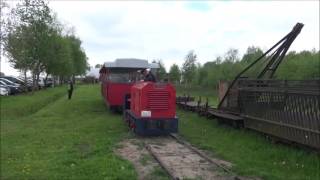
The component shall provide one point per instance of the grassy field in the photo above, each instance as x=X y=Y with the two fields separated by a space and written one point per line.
x=46 y=136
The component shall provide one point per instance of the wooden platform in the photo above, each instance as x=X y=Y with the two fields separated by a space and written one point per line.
x=192 y=105
x=221 y=116
x=216 y=113
x=226 y=118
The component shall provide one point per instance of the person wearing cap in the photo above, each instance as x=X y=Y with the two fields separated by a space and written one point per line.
x=148 y=76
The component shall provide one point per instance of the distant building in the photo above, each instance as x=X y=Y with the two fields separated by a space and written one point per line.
x=93 y=72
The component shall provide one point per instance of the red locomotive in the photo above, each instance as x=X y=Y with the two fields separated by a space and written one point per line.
x=148 y=107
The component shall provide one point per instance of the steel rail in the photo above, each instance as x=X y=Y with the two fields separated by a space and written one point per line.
x=192 y=149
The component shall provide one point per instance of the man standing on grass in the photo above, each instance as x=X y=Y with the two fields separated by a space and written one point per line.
x=70 y=89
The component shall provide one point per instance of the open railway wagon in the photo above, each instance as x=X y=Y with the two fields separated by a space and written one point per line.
x=118 y=77
x=286 y=110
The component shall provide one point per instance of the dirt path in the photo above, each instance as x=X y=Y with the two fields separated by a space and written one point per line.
x=179 y=160
x=134 y=150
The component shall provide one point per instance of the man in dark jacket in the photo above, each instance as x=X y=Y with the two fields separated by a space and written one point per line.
x=70 y=89
x=148 y=76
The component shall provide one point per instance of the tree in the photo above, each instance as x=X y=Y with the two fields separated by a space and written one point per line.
x=232 y=55
x=33 y=41
x=79 y=57
x=16 y=49
x=161 y=73
x=202 y=76
x=3 y=6
x=300 y=66
x=249 y=57
x=175 y=74
x=98 y=66
x=251 y=54
x=27 y=36
x=60 y=61
x=67 y=57
x=189 y=67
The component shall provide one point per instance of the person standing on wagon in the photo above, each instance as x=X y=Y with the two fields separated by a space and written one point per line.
x=148 y=76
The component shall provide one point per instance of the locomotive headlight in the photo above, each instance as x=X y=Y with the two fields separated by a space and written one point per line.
x=145 y=113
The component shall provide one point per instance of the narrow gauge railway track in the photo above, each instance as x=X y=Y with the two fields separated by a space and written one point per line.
x=181 y=160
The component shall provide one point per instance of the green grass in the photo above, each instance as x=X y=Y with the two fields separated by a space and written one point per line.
x=159 y=174
x=25 y=104
x=250 y=152
x=46 y=136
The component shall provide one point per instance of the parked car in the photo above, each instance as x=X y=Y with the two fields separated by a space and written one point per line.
x=41 y=83
x=49 y=82
x=9 y=82
x=4 y=91
x=19 y=81
x=29 y=81
x=14 y=89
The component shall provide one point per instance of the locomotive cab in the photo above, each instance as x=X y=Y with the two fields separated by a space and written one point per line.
x=117 y=79
x=150 y=109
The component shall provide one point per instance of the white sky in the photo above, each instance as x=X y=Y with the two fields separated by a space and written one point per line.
x=168 y=30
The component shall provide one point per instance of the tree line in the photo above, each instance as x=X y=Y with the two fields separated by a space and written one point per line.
x=295 y=66
x=35 y=41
